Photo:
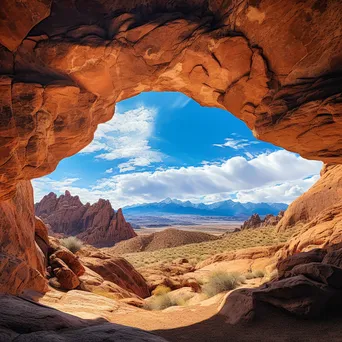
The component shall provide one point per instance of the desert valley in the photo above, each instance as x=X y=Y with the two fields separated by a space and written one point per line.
x=208 y=208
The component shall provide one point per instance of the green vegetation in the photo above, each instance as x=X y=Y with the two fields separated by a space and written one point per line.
x=161 y=290
x=163 y=298
x=200 y=251
x=72 y=243
x=221 y=281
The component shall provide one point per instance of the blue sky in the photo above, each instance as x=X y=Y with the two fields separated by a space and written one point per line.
x=162 y=145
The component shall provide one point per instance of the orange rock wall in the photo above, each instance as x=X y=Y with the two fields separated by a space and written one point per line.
x=22 y=263
x=274 y=65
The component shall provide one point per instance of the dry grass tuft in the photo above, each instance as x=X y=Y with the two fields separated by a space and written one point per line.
x=72 y=243
x=221 y=281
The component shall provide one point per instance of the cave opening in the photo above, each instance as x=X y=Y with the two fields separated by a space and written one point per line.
x=274 y=65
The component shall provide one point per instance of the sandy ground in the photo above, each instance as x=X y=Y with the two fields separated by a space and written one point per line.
x=271 y=325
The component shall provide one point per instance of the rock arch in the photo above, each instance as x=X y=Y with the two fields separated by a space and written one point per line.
x=64 y=64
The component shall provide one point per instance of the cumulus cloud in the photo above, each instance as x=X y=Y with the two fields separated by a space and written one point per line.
x=127 y=136
x=274 y=177
x=109 y=170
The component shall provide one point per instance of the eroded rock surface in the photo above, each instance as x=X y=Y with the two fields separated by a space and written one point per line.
x=22 y=320
x=116 y=270
x=22 y=262
x=97 y=224
x=276 y=66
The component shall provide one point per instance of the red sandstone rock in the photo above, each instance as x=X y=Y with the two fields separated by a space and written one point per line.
x=22 y=263
x=95 y=224
x=118 y=271
x=31 y=321
x=323 y=273
x=267 y=63
x=70 y=259
x=256 y=222
x=253 y=222
x=333 y=258
x=285 y=265
x=67 y=279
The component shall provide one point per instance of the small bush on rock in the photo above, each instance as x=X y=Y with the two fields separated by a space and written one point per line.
x=221 y=281
x=255 y=274
x=160 y=290
x=72 y=243
x=159 y=302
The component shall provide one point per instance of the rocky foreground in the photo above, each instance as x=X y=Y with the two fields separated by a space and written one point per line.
x=301 y=279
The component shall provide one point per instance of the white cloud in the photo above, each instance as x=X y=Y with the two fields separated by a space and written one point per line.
x=236 y=144
x=127 y=136
x=249 y=180
x=109 y=170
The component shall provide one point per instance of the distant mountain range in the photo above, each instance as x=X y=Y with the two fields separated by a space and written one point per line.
x=223 y=208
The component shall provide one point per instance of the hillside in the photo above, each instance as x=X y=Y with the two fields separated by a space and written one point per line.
x=224 y=208
x=167 y=238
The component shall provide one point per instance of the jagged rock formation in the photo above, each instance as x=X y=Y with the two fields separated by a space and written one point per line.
x=62 y=77
x=97 y=224
x=256 y=222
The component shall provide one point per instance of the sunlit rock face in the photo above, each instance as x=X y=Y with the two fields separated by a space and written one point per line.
x=22 y=261
x=64 y=65
x=97 y=224
x=274 y=65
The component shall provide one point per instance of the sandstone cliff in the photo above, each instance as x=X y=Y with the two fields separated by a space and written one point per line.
x=97 y=224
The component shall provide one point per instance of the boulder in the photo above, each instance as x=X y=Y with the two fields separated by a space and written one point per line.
x=118 y=271
x=70 y=259
x=299 y=296
x=92 y=282
x=67 y=279
x=323 y=273
x=238 y=306
x=284 y=265
x=334 y=258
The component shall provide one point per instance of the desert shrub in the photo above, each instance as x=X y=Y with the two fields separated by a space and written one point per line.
x=165 y=300
x=255 y=274
x=259 y=273
x=159 y=302
x=72 y=243
x=161 y=290
x=221 y=281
